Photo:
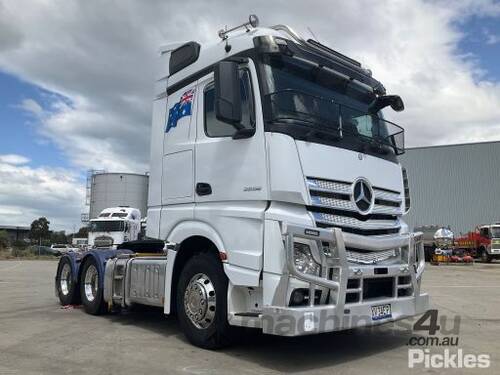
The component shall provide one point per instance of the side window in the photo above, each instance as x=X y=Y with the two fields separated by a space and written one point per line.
x=216 y=128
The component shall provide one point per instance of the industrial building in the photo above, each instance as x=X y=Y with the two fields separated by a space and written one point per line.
x=16 y=233
x=106 y=190
x=454 y=185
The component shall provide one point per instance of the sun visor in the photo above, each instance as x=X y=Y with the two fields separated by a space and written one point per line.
x=183 y=56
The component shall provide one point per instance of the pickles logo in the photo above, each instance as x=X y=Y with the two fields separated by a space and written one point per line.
x=447 y=359
x=441 y=351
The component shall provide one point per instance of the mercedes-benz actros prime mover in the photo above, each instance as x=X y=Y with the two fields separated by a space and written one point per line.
x=275 y=197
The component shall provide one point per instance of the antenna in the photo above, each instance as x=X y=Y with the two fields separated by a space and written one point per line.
x=314 y=36
x=253 y=21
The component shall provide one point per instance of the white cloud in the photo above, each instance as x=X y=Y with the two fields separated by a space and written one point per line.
x=28 y=193
x=491 y=38
x=31 y=106
x=13 y=159
x=100 y=59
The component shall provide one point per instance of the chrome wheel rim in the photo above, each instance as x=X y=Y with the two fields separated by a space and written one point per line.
x=199 y=301
x=91 y=283
x=65 y=279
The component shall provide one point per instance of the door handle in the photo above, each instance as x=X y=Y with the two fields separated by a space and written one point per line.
x=202 y=188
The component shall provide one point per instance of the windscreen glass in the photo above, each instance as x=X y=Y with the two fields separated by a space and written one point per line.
x=495 y=232
x=107 y=226
x=313 y=101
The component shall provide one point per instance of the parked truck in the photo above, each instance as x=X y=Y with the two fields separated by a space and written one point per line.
x=483 y=242
x=114 y=226
x=275 y=197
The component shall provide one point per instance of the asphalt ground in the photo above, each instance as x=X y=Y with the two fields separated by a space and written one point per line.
x=38 y=336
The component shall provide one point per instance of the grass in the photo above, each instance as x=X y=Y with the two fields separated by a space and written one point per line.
x=24 y=254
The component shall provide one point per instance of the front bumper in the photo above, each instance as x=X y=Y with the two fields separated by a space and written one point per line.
x=336 y=314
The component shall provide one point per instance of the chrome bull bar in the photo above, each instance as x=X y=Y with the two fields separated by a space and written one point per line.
x=338 y=240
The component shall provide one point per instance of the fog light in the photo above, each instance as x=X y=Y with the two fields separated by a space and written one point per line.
x=298 y=297
x=303 y=259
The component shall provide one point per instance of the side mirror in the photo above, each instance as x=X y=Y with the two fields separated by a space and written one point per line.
x=227 y=92
x=397 y=103
x=380 y=102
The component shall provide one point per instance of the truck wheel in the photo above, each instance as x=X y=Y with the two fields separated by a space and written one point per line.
x=90 y=288
x=67 y=290
x=485 y=257
x=202 y=302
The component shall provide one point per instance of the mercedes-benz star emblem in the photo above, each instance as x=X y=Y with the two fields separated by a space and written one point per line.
x=363 y=196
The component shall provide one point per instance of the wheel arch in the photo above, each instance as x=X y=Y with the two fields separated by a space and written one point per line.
x=188 y=229
x=185 y=250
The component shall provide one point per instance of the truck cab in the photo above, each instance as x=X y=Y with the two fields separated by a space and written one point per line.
x=489 y=242
x=276 y=188
x=114 y=226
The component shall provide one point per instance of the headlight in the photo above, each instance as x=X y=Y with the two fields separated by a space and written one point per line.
x=304 y=261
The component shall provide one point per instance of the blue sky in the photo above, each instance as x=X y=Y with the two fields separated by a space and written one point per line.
x=482 y=39
x=20 y=134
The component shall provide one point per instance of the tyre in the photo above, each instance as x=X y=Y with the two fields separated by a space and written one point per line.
x=67 y=290
x=485 y=257
x=202 y=302
x=91 y=289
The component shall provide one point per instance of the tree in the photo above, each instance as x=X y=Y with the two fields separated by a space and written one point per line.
x=4 y=239
x=83 y=232
x=58 y=237
x=40 y=229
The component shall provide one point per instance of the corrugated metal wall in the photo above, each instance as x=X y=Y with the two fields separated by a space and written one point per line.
x=456 y=185
x=118 y=189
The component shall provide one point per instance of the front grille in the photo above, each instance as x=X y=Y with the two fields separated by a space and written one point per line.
x=333 y=206
x=103 y=241
x=370 y=257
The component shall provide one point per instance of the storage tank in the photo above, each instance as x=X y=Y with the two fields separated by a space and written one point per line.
x=118 y=189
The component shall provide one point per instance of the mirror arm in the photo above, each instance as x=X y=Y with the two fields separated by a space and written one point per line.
x=236 y=59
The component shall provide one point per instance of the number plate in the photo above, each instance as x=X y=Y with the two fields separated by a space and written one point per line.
x=381 y=312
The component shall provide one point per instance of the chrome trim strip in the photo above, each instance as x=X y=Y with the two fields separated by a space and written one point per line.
x=351 y=222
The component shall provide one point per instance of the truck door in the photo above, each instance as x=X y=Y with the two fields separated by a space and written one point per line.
x=230 y=174
x=229 y=169
x=177 y=187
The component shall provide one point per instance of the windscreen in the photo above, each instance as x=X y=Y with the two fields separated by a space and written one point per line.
x=107 y=226
x=313 y=101
x=495 y=232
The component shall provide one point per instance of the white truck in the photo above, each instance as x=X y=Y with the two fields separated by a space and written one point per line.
x=114 y=226
x=276 y=190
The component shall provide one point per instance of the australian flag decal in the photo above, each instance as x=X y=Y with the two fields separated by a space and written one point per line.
x=180 y=109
